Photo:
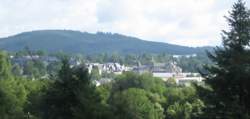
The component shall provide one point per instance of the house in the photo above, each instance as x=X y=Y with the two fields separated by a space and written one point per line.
x=108 y=67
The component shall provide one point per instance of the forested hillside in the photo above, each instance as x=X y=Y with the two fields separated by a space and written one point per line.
x=88 y=43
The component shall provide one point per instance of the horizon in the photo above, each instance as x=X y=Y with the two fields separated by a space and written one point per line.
x=100 y=32
x=192 y=23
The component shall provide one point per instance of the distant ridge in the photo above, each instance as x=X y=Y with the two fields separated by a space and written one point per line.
x=82 y=42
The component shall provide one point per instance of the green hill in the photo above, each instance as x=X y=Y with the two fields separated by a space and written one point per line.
x=88 y=43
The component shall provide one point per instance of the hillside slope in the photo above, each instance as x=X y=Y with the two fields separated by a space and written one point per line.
x=83 y=42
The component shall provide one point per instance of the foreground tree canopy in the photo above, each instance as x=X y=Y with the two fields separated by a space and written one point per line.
x=72 y=94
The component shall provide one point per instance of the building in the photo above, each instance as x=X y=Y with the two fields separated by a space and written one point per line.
x=188 y=80
x=171 y=70
x=108 y=67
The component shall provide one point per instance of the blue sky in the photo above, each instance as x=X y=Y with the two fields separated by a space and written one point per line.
x=182 y=22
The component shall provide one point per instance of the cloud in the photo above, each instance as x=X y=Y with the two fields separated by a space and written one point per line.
x=24 y=15
x=163 y=20
x=183 y=22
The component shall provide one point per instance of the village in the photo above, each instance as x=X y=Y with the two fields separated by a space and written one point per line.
x=165 y=71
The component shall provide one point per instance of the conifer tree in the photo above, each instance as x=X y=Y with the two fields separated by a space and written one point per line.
x=229 y=78
x=72 y=96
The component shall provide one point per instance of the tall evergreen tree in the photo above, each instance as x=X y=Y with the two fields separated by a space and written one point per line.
x=229 y=78
x=72 y=96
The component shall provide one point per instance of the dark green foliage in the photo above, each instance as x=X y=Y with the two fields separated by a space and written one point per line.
x=53 y=68
x=135 y=104
x=182 y=103
x=11 y=99
x=72 y=96
x=5 y=66
x=229 y=77
x=133 y=80
x=95 y=74
x=137 y=96
x=34 y=69
x=16 y=70
x=185 y=110
x=78 y=42
x=193 y=64
x=8 y=100
x=36 y=92
x=170 y=100
x=14 y=91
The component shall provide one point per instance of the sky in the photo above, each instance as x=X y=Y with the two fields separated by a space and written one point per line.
x=183 y=22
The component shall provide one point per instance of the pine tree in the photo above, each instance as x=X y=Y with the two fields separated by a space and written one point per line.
x=229 y=78
x=72 y=96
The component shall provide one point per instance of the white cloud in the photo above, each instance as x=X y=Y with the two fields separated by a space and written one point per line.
x=26 y=15
x=183 y=22
x=164 y=20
